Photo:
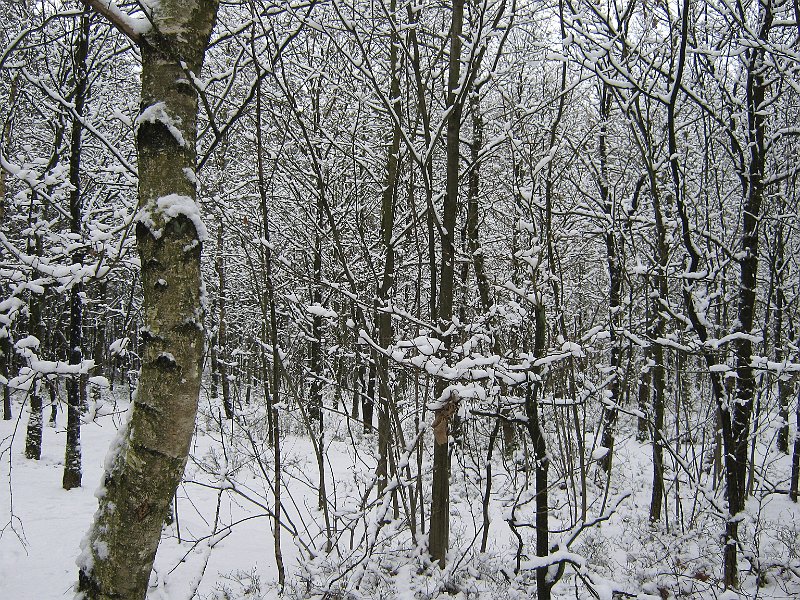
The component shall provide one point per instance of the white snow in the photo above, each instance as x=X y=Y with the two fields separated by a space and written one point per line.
x=170 y=207
x=318 y=310
x=157 y=113
x=175 y=205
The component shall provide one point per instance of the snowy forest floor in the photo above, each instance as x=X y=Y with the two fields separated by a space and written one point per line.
x=220 y=544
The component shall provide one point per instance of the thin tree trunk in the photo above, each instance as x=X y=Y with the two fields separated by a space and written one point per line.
x=76 y=382
x=427 y=169
x=487 y=493
x=544 y=581
x=5 y=360
x=795 y=478
x=383 y=318
x=368 y=399
x=440 y=500
x=656 y=350
x=737 y=446
x=275 y=425
x=644 y=390
x=33 y=437
x=610 y=411
x=101 y=334
x=5 y=341
x=358 y=386
x=784 y=383
x=315 y=344
x=222 y=333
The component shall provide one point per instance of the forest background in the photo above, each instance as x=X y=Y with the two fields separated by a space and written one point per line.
x=489 y=298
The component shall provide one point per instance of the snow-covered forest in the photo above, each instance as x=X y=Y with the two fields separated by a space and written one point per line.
x=354 y=299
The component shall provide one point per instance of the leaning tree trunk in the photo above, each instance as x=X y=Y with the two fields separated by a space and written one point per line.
x=147 y=461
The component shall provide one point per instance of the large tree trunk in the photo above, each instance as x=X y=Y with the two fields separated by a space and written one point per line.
x=147 y=461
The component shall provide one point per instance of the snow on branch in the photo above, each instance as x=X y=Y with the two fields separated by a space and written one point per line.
x=134 y=28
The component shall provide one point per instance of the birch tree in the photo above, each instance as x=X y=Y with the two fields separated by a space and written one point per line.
x=146 y=462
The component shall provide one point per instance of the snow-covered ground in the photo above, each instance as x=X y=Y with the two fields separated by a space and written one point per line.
x=220 y=544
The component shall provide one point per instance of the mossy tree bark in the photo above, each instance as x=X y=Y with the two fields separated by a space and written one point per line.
x=146 y=465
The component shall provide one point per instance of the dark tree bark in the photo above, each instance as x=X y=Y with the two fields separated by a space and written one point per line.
x=368 y=399
x=33 y=436
x=222 y=327
x=5 y=360
x=76 y=383
x=5 y=341
x=535 y=427
x=427 y=168
x=614 y=286
x=656 y=351
x=440 y=500
x=795 y=477
x=275 y=375
x=315 y=344
x=784 y=383
x=383 y=318
x=753 y=182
